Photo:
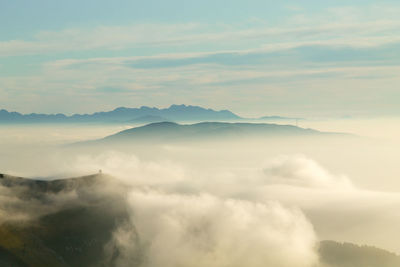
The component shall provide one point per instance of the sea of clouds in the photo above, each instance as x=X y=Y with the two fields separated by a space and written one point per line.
x=201 y=206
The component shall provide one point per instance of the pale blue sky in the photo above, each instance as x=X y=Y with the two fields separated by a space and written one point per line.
x=257 y=57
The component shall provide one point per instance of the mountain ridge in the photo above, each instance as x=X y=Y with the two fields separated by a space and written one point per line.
x=143 y=114
x=123 y=115
x=172 y=131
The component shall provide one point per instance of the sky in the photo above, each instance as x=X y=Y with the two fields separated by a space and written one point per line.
x=257 y=57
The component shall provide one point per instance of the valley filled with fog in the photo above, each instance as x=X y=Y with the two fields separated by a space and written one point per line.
x=241 y=201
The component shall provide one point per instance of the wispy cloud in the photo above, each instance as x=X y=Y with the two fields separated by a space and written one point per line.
x=350 y=49
x=342 y=26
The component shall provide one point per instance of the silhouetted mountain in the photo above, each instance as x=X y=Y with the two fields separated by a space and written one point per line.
x=122 y=115
x=15 y=117
x=335 y=254
x=172 y=132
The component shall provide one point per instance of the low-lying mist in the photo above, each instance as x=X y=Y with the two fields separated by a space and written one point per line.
x=246 y=202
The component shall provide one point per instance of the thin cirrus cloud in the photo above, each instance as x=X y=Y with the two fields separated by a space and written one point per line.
x=158 y=36
x=298 y=29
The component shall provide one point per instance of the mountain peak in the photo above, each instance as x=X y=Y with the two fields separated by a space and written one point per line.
x=178 y=106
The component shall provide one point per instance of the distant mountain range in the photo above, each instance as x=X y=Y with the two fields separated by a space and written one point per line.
x=70 y=222
x=125 y=115
x=177 y=113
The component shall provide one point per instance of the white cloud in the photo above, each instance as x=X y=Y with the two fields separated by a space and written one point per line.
x=178 y=230
x=304 y=172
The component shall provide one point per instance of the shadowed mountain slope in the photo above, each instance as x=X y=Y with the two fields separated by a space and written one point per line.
x=335 y=254
x=173 y=132
x=65 y=222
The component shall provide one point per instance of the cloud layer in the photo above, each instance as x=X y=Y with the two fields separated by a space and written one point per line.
x=203 y=230
x=218 y=201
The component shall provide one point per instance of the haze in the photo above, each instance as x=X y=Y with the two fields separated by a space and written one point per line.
x=199 y=133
